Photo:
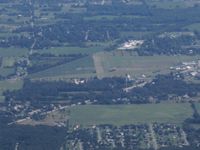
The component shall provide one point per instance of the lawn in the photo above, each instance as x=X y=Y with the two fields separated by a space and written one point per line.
x=10 y=84
x=129 y=114
x=72 y=50
x=193 y=27
x=13 y=52
x=121 y=63
x=6 y=71
x=1 y=98
x=83 y=67
x=198 y=107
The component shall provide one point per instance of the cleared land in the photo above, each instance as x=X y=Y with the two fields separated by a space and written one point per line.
x=9 y=85
x=120 y=63
x=13 y=52
x=116 y=63
x=129 y=114
x=83 y=67
x=74 y=50
x=197 y=106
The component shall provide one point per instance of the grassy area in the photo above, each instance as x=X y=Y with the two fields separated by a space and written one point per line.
x=122 y=63
x=193 y=27
x=79 y=68
x=1 y=98
x=172 y=4
x=198 y=107
x=8 y=61
x=74 y=50
x=10 y=85
x=129 y=114
x=6 y=71
x=11 y=51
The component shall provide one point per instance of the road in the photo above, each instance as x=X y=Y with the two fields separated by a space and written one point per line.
x=153 y=136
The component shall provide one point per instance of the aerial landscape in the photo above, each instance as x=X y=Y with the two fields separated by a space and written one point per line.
x=99 y=74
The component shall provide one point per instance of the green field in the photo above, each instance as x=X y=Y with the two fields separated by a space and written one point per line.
x=171 y=4
x=113 y=64
x=198 y=107
x=83 y=67
x=6 y=71
x=8 y=61
x=9 y=85
x=1 y=97
x=129 y=114
x=13 y=52
x=122 y=64
x=73 y=50
x=193 y=27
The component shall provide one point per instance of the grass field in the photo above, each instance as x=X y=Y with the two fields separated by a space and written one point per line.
x=9 y=85
x=79 y=68
x=172 y=4
x=73 y=50
x=1 y=98
x=129 y=114
x=8 y=61
x=105 y=64
x=122 y=64
x=198 y=107
x=193 y=27
x=6 y=71
x=9 y=52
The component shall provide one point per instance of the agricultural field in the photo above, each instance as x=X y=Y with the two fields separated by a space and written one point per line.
x=129 y=114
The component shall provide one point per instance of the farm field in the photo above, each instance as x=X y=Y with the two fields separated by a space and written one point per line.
x=122 y=63
x=129 y=114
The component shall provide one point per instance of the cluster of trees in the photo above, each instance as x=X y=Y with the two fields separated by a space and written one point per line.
x=163 y=86
x=104 y=91
x=167 y=45
x=31 y=137
x=73 y=28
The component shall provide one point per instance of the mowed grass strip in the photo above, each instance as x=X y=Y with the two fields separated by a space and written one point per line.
x=123 y=63
x=83 y=67
x=129 y=114
x=198 y=107
x=13 y=52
